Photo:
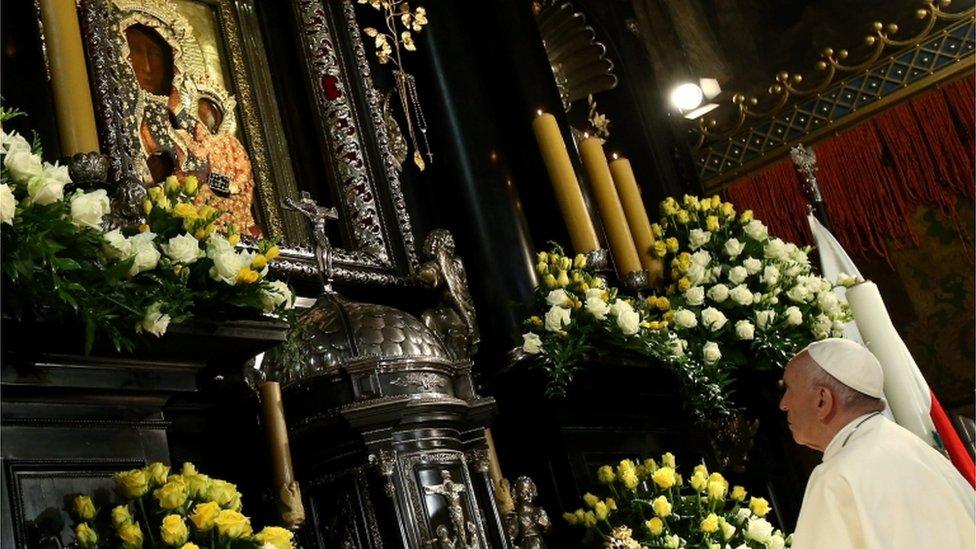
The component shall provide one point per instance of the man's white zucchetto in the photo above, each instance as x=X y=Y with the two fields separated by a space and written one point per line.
x=850 y=363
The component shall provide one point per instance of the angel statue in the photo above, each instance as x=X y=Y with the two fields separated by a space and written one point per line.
x=454 y=318
x=528 y=522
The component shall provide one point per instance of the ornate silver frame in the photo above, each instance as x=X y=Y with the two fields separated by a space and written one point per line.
x=372 y=209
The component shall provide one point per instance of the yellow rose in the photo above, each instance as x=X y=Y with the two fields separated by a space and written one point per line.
x=600 y=510
x=710 y=523
x=259 y=262
x=746 y=216
x=625 y=465
x=580 y=516
x=664 y=477
x=85 y=535
x=579 y=261
x=276 y=536
x=130 y=534
x=611 y=504
x=83 y=507
x=727 y=529
x=172 y=494
x=542 y=257
x=650 y=465
x=711 y=223
x=728 y=210
x=629 y=478
x=605 y=474
x=563 y=279
x=232 y=524
x=683 y=217
x=120 y=516
x=589 y=519
x=570 y=518
x=716 y=490
x=272 y=253
x=590 y=499
x=759 y=506
x=738 y=493
x=663 y=303
x=700 y=469
x=132 y=484
x=549 y=280
x=661 y=506
x=717 y=477
x=204 y=515
x=156 y=472
x=699 y=481
x=147 y=206
x=247 y=276
x=174 y=530
x=655 y=525
x=659 y=248
x=172 y=184
x=671 y=244
x=190 y=185
x=222 y=492
x=542 y=268
x=155 y=193
x=185 y=210
x=691 y=202
x=190 y=546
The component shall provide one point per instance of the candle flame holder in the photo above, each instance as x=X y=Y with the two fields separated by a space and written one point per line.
x=635 y=280
x=598 y=260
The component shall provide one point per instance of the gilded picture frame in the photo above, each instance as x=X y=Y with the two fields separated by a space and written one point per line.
x=377 y=242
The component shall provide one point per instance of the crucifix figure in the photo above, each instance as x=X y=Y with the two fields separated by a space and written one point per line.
x=318 y=215
x=451 y=491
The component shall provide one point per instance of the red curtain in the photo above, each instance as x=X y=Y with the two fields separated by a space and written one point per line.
x=873 y=175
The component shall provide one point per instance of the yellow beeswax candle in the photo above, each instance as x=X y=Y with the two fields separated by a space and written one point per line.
x=564 y=183
x=637 y=220
x=611 y=211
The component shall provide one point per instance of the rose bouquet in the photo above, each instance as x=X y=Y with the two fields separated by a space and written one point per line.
x=648 y=505
x=187 y=510
x=738 y=296
x=62 y=263
x=584 y=315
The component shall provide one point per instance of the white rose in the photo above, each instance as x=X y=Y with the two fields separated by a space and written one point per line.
x=57 y=172
x=24 y=165
x=620 y=306
x=672 y=541
x=775 y=249
x=793 y=316
x=828 y=302
x=696 y=274
x=597 y=307
x=759 y=530
x=556 y=318
x=745 y=330
x=598 y=293
x=183 y=249
x=752 y=265
x=698 y=238
x=695 y=295
x=733 y=247
x=628 y=322
x=217 y=244
x=145 y=253
x=597 y=282
x=718 y=293
x=798 y=294
x=713 y=319
x=154 y=322
x=742 y=515
x=677 y=347
x=44 y=191
x=558 y=297
x=756 y=230
x=8 y=204
x=227 y=263
x=701 y=257
x=793 y=269
x=765 y=318
x=820 y=328
x=87 y=209
x=846 y=280
x=776 y=542
x=738 y=274
x=711 y=353
x=837 y=329
x=13 y=142
x=685 y=318
x=531 y=343
x=770 y=276
x=741 y=295
x=274 y=294
x=116 y=245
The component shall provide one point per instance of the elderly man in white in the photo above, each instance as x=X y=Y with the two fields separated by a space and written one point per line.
x=879 y=486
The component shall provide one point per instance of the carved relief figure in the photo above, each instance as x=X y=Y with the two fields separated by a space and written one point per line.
x=184 y=118
x=454 y=319
x=528 y=522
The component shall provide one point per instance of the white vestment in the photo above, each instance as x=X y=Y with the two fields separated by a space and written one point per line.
x=881 y=487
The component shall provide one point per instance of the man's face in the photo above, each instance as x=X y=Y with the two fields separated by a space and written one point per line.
x=801 y=401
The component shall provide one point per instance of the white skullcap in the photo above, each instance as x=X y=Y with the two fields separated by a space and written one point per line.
x=850 y=363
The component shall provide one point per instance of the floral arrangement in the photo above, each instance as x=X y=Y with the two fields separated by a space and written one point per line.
x=733 y=297
x=178 y=262
x=187 y=510
x=650 y=505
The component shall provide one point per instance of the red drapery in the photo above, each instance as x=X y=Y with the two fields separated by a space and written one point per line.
x=873 y=175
